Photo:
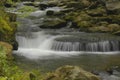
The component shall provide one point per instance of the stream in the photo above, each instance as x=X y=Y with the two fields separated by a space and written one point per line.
x=48 y=49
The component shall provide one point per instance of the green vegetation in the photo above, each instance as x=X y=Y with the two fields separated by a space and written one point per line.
x=94 y=19
x=8 y=26
x=26 y=10
x=8 y=71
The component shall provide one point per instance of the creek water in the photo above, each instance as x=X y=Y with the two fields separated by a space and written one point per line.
x=48 y=49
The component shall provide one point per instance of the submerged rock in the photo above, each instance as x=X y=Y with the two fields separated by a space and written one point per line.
x=71 y=73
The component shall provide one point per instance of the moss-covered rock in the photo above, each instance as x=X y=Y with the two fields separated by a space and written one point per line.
x=117 y=33
x=96 y=12
x=53 y=23
x=113 y=6
x=89 y=15
x=71 y=73
x=8 y=27
x=98 y=29
x=26 y=10
x=113 y=27
x=7 y=48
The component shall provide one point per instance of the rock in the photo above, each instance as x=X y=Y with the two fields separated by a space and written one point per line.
x=71 y=73
x=113 y=6
x=8 y=5
x=117 y=33
x=12 y=17
x=28 y=3
x=114 y=19
x=52 y=3
x=113 y=27
x=105 y=28
x=8 y=49
x=96 y=12
x=37 y=14
x=82 y=20
x=75 y=5
x=53 y=23
x=84 y=24
x=50 y=12
x=98 y=29
x=15 y=45
x=43 y=6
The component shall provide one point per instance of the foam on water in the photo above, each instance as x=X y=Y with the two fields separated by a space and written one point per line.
x=37 y=45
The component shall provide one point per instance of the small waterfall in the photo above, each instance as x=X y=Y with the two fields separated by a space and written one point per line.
x=33 y=40
x=34 y=43
x=102 y=46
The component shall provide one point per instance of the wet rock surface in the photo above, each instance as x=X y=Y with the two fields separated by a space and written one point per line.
x=71 y=73
x=86 y=15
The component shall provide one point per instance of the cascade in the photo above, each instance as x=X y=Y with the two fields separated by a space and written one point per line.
x=35 y=42
x=102 y=46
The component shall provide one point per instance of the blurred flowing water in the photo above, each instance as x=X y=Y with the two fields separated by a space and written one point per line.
x=48 y=49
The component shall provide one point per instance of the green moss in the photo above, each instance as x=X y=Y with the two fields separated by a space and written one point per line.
x=8 y=26
x=71 y=73
x=26 y=10
x=84 y=24
x=4 y=26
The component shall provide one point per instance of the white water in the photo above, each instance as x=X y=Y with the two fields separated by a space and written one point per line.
x=37 y=45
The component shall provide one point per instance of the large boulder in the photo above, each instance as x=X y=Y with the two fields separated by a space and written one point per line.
x=71 y=73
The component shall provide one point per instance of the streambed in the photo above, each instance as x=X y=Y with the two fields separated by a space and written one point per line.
x=48 y=49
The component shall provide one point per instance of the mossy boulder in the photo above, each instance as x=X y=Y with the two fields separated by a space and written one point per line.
x=76 y=4
x=96 y=12
x=114 y=18
x=8 y=28
x=82 y=20
x=71 y=73
x=53 y=23
x=26 y=11
x=84 y=24
x=113 y=27
x=7 y=48
x=50 y=3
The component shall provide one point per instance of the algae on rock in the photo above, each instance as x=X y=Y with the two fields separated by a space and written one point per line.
x=71 y=73
x=8 y=27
